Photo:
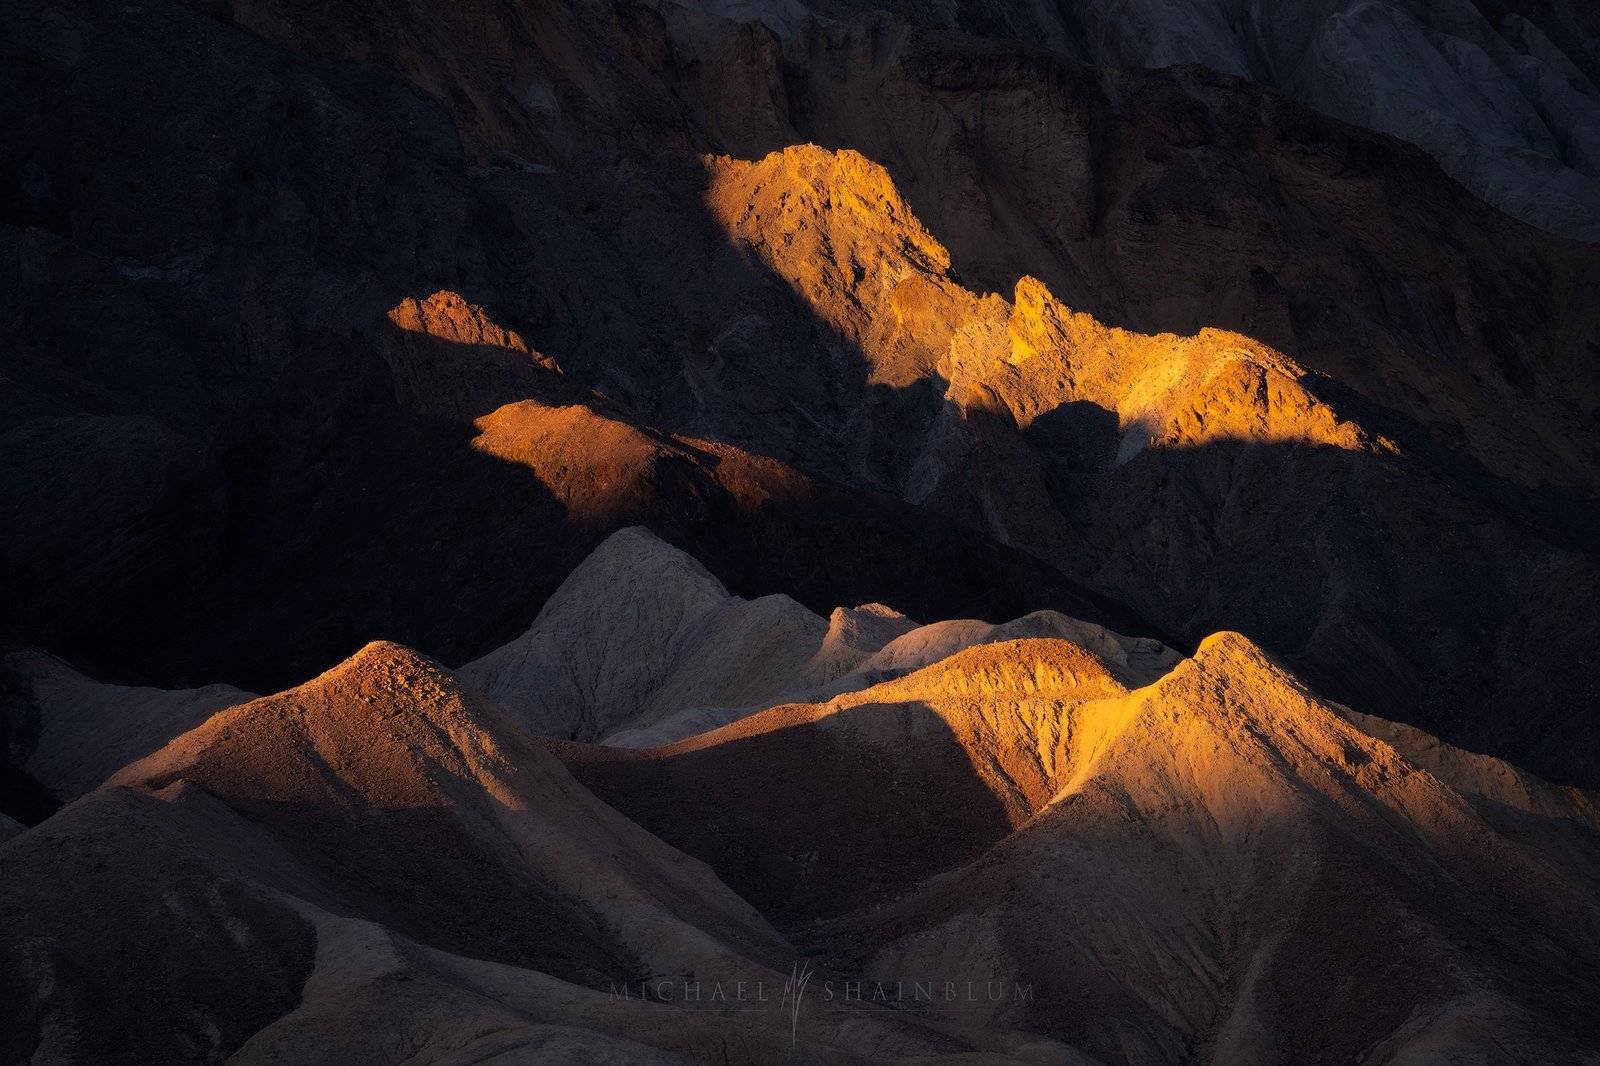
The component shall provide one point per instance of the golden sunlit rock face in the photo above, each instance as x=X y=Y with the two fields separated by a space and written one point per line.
x=447 y=317
x=833 y=226
x=795 y=532
x=448 y=357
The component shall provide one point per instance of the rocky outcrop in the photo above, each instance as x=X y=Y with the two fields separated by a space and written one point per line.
x=1503 y=95
x=1123 y=217
x=640 y=631
x=317 y=371
x=448 y=357
x=1058 y=434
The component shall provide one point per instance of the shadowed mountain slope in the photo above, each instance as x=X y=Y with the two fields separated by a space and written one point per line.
x=641 y=645
x=249 y=370
x=1235 y=849
x=1181 y=871
x=376 y=865
x=1175 y=858
x=70 y=732
x=1503 y=95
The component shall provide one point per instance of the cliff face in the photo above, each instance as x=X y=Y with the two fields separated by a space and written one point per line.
x=768 y=492
x=356 y=324
x=1503 y=95
x=1207 y=479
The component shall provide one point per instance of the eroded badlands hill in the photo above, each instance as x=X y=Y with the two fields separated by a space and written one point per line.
x=1181 y=859
x=241 y=437
x=641 y=642
x=1188 y=857
x=370 y=867
x=1210 y=480
x=1225 y=849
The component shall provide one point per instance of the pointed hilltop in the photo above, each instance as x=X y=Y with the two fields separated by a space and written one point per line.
x=1192 y=856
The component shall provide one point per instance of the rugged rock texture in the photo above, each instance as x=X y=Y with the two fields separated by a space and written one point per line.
x=640 y=645
x=1467 y=334
x=375 y=866
x=1157 y=465
x=1226 y=793
x=1181 y=870
x=1152 y=858
x=285 y=329
x=682 y=643
x=1503 y=95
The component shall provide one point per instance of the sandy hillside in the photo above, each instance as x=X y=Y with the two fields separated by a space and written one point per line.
x=1154 y=858
x=375 y=866
x=641 y=645
x=1176 y=867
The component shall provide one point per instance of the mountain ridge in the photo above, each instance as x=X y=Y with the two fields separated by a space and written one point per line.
x=1183 y=844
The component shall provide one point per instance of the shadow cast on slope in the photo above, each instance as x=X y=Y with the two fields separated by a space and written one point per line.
x=1262 y=954
x=809 y=820
x=310 y=506
x=1177 y=200
x=247 y=313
